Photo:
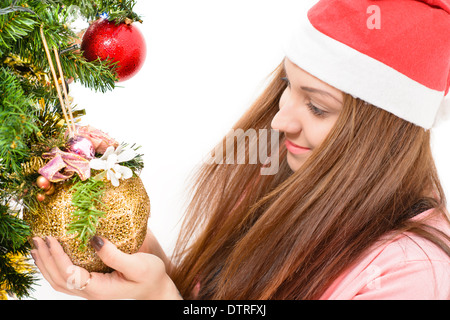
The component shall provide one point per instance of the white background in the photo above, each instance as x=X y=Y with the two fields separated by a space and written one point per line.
x=207 y=61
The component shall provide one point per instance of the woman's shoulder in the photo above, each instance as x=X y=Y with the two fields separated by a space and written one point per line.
x=404 y=267
x=412 y=247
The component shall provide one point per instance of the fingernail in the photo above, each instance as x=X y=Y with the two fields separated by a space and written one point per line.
x=47 y=242
x=35 y=244
x=97 y=243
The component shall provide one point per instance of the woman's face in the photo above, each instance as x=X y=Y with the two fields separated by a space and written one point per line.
x=308 y=110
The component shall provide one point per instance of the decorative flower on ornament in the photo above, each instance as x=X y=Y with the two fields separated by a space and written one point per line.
x=99 y=139
x=109 y=162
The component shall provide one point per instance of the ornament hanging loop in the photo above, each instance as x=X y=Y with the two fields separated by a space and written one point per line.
x=64 y=102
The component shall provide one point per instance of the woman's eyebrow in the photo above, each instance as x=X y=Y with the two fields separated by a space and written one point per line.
x=313 y=90
x=321 y=92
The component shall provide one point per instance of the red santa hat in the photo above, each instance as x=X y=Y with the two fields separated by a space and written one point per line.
x=394 y=54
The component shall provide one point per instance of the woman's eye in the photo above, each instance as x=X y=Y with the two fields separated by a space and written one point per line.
x=316 y=111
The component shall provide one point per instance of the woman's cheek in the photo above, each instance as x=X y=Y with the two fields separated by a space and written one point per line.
x=316 y=131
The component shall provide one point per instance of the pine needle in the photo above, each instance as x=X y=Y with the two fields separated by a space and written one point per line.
x=86 y=199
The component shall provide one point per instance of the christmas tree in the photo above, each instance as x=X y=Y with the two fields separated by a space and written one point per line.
x=39 y=51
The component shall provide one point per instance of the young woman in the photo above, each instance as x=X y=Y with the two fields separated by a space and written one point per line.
x=355 y=210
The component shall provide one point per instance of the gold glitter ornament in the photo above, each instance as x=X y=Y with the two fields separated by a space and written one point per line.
x=127 y=210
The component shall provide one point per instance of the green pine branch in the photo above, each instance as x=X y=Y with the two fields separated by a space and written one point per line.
x=117 y=11
x=14 y=25
x=137 y=163
x=13 y=232
x=97 y=75
x=14 y=246
x=16 y=275
x=86 y=199
x=17 y=122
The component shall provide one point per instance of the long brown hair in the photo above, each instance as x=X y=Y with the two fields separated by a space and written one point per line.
x=289 y=235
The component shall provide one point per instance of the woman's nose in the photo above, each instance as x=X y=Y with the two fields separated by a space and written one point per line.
x=287 y=119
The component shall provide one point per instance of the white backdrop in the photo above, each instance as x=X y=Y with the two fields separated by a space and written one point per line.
x=206 y=62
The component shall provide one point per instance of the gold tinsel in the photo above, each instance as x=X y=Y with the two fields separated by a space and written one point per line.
x=124 y=224
x=32 y=166
x=23 y=67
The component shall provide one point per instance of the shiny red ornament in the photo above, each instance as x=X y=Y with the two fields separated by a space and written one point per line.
x=123 y=43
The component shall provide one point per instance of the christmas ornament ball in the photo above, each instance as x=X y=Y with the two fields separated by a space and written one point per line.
x=123 y=43
x=124 y=222
x=40 y=197
x=43 y=183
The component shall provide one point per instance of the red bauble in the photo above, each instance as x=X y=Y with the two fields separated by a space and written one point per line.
x=123 y=43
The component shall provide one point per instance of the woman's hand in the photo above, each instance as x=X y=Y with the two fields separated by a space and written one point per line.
x=136 y=276
x=151 y=245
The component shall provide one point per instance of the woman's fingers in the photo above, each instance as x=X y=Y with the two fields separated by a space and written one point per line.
x=57 y=268
x=74 y=276
x=45 y=263
x=132 y=266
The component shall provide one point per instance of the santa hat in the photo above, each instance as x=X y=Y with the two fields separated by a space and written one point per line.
x=394 y=54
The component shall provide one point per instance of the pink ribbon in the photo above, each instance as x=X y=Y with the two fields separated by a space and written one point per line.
x=63 y=166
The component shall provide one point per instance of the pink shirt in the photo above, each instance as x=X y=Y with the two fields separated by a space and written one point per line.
x=407 y=267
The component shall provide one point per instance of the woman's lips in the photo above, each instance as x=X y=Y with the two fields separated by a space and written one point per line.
x=295 y=149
